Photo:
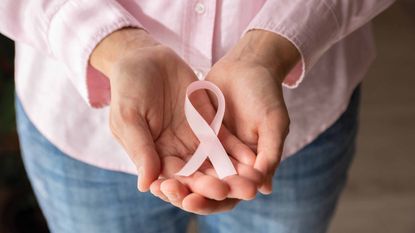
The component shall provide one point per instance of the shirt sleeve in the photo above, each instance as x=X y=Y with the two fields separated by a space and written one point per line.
x=314 y=26
x=67 y=30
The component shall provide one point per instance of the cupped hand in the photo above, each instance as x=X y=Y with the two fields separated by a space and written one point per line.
x=148 y=86
x=250 y=77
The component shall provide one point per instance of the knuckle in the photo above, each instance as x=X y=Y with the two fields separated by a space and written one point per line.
x=122 y=117
x=127 y=115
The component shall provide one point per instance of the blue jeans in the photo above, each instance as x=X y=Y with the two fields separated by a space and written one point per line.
x=76 y=197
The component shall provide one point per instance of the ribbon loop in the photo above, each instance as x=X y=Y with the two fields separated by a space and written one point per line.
x=210 y=146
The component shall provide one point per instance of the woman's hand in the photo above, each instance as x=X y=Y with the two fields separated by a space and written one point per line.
x=250 y=77
x=148 y=85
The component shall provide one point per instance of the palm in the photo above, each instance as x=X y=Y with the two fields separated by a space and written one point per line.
x=256 y=111
x=150 y=91
x=165 y=94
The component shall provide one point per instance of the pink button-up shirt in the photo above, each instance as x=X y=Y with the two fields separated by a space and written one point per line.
x=60 y=91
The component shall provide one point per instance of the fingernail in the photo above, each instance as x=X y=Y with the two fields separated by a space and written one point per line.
x=265 y=191
x=266 y=187
x=138 y=185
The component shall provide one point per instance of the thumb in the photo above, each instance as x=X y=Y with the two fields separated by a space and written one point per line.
x=271 y=137
x=135 y=136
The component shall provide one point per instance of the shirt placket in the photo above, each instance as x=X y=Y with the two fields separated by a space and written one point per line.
x=198 y=35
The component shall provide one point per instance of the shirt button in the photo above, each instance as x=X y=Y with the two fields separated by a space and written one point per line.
x=200 y=8
x=199 y=74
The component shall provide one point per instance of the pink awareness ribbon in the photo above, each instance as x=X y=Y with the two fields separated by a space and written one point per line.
x=209 y=146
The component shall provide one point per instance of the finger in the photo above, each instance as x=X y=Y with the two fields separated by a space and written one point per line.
x=243 y=170
x=133 y=133
x=244 y=185
x=271 y=136
x=249 y=172
x=241 y=188
x=174 y=191
x=236 y=148
x=266 y=188
x=206 y=185
x=198 y=204
x=155 y=189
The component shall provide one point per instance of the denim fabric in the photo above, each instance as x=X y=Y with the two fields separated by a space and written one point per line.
x=77 y=197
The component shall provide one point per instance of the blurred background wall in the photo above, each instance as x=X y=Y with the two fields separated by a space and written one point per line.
x=380 y=194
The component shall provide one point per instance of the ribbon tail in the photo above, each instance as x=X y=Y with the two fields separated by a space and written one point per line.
x=195 y=162
x=221 y=161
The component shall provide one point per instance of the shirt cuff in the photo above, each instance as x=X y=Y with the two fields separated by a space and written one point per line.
x=311 y=26
x=75 y=30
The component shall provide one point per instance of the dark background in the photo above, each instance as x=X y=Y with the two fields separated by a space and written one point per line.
x=380 y=194
x=19 y=212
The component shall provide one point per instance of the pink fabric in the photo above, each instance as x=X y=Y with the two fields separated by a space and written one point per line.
x=209 y=146
x=59 y=90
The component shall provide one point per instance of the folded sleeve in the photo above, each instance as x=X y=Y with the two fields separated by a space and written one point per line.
x=314 y=26
x=67 y=30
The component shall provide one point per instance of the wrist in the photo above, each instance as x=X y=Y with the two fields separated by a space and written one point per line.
x=267 y=49
x=113 y=47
